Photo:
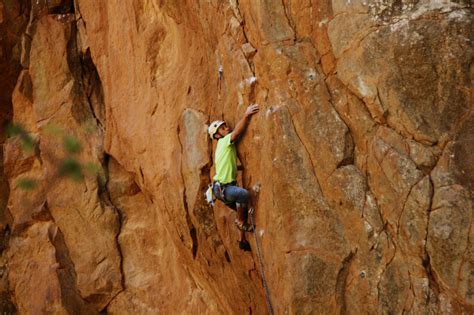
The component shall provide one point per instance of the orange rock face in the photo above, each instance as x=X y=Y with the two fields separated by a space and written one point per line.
x=359 y=161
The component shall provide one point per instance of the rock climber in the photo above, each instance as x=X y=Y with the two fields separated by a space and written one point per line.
x=224 y=185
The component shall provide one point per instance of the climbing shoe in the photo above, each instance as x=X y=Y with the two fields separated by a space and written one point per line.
x=244 y=226
x=245 y=246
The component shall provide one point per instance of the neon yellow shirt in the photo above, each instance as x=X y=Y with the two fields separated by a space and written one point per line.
x=226 y=161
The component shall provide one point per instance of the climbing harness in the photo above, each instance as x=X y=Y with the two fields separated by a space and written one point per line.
x=218 y=191
x=262 y=272
x=211 y=195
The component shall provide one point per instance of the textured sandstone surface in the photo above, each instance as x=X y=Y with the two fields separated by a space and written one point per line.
x=360 y=160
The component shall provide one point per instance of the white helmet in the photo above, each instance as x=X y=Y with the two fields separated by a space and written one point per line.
x=213 y=127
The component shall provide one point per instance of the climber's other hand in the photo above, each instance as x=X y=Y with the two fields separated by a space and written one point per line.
x=252 y=109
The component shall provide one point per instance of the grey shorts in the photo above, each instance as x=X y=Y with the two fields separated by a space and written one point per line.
x=233 y=195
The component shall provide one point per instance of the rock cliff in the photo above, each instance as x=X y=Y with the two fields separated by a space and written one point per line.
x=359 y=162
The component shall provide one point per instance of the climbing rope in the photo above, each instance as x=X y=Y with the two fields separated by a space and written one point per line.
x=262 y=272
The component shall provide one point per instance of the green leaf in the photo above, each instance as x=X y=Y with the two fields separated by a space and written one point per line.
x=93 y=167
x=71 y=168
x=27 y=142
x=53 y=129
x=14 y=130
x=71 y=145
x=26 y=184
x=97 y=170
x=90 y=127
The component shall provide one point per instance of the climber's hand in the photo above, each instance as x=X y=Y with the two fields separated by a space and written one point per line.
x=252 y=109
x=242 y=124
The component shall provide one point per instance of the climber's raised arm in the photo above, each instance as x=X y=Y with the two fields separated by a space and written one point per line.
x=242 y=124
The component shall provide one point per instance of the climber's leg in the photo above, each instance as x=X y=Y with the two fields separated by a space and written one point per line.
x=242 y=236
x=242 y=213
x=241 y=220
x=242 y=217
x=241 y=197
x=243 y=243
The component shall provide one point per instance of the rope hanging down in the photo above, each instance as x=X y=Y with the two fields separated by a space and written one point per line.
x=262 y=272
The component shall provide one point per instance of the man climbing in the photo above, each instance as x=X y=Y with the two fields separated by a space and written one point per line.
x=225 y=181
